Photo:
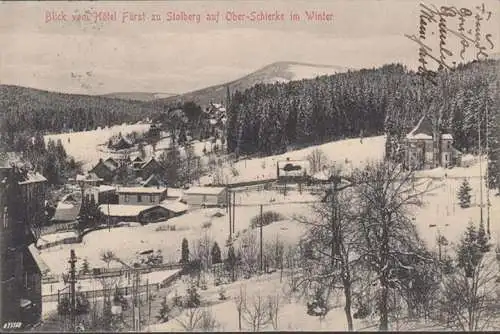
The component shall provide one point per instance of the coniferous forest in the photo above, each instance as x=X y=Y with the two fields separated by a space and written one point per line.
x=266 y=119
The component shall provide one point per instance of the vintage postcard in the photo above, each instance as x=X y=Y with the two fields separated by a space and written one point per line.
x=249 y=165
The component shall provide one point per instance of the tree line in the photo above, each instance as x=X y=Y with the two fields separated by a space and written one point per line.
x=268 y=118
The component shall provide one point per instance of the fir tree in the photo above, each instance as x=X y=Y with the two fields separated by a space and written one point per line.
x=184 y=251
x=231 y=262
x=85 y=266
x=482 y=239
x=216 y=254
x=464 y=195
x=469 y=252
x=193 y=297
x=164 y=312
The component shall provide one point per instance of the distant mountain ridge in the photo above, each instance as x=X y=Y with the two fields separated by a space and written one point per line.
x=282 y=71
x=31 y=109
x=139 y=96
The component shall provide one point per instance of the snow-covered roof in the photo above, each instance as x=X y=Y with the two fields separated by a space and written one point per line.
x=419 y=136
x=447 y=136
x=33 y=177
x=38 y=259
x=118 y=210
x=103 y=188
x=174 y=206
x=175 y=192
x=66 y=212
x=323 y=175
x=88 y=177
x=204 y=190
x=141 y=190
x=302 y=163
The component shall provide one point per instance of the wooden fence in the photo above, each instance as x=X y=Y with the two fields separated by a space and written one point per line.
x=126 y=290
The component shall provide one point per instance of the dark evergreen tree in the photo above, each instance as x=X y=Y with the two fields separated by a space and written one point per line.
x=464 y=194
x=193 y=297
x=85 y=266
x=184 y=251
x=216 y=254
x=163 y=314
x=469 y=253
x=482 y=239
x=231 y=262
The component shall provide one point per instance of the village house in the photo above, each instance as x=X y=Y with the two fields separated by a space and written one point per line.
x=427 y=148
x=109 y=169
x=205 y=196
x=105 y=169
x=292 y=170
x=154 y=181
x=121 y=143
x=144 y=214
x=68 y=209
x=20 y=270
x=141 y=195
x=102 y=194
x=150 y=167
x=175 y=208
x=88 y=180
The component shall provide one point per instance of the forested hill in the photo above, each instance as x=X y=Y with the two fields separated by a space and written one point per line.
x=267 y=118
x=28 y=109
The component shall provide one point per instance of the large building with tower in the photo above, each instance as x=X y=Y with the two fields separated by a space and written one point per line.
x=427 y=148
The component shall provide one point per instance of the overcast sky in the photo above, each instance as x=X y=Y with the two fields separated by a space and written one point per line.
x=176 y=57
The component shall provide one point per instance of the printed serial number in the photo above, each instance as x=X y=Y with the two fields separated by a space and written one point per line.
x=12 y=325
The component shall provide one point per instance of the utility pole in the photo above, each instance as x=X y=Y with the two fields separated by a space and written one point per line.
x=72 y=282
x=228 y=194
x=234 y=211
x=480 y=169
x=261 y=237
x=487 y=175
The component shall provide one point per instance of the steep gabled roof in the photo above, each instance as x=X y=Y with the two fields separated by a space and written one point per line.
x=152 y=181
x=423 y=129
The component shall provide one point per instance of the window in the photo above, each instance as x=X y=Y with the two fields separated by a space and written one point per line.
x=139 y=198
x=151 y=198
x=126 y=198
x=446 y=157
x=449 y=145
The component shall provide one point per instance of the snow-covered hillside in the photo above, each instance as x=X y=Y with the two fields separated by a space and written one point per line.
x=83 y=146
x=347 y=153
x=302 y=71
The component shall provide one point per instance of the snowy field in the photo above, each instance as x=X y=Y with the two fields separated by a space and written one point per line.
x=125 y=242
x=292 y=314
x=355 y=151
x=83 y=146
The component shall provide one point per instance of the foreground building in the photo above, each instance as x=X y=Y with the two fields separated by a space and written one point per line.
x=21 y=208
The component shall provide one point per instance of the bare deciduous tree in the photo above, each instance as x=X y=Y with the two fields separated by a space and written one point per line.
x=256 y=312
x=388 y=242
x=332 y=242
x=198 y=319
x=274 y=305
x=249 y=250
x=240 y=301
x=317 y=160
x=201 y=250
x=107 y=256
x=471 y=303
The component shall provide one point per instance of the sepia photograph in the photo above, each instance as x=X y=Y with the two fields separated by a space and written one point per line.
x=249 y=166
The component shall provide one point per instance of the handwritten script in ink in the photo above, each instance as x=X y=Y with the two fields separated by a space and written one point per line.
x=448 y=34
